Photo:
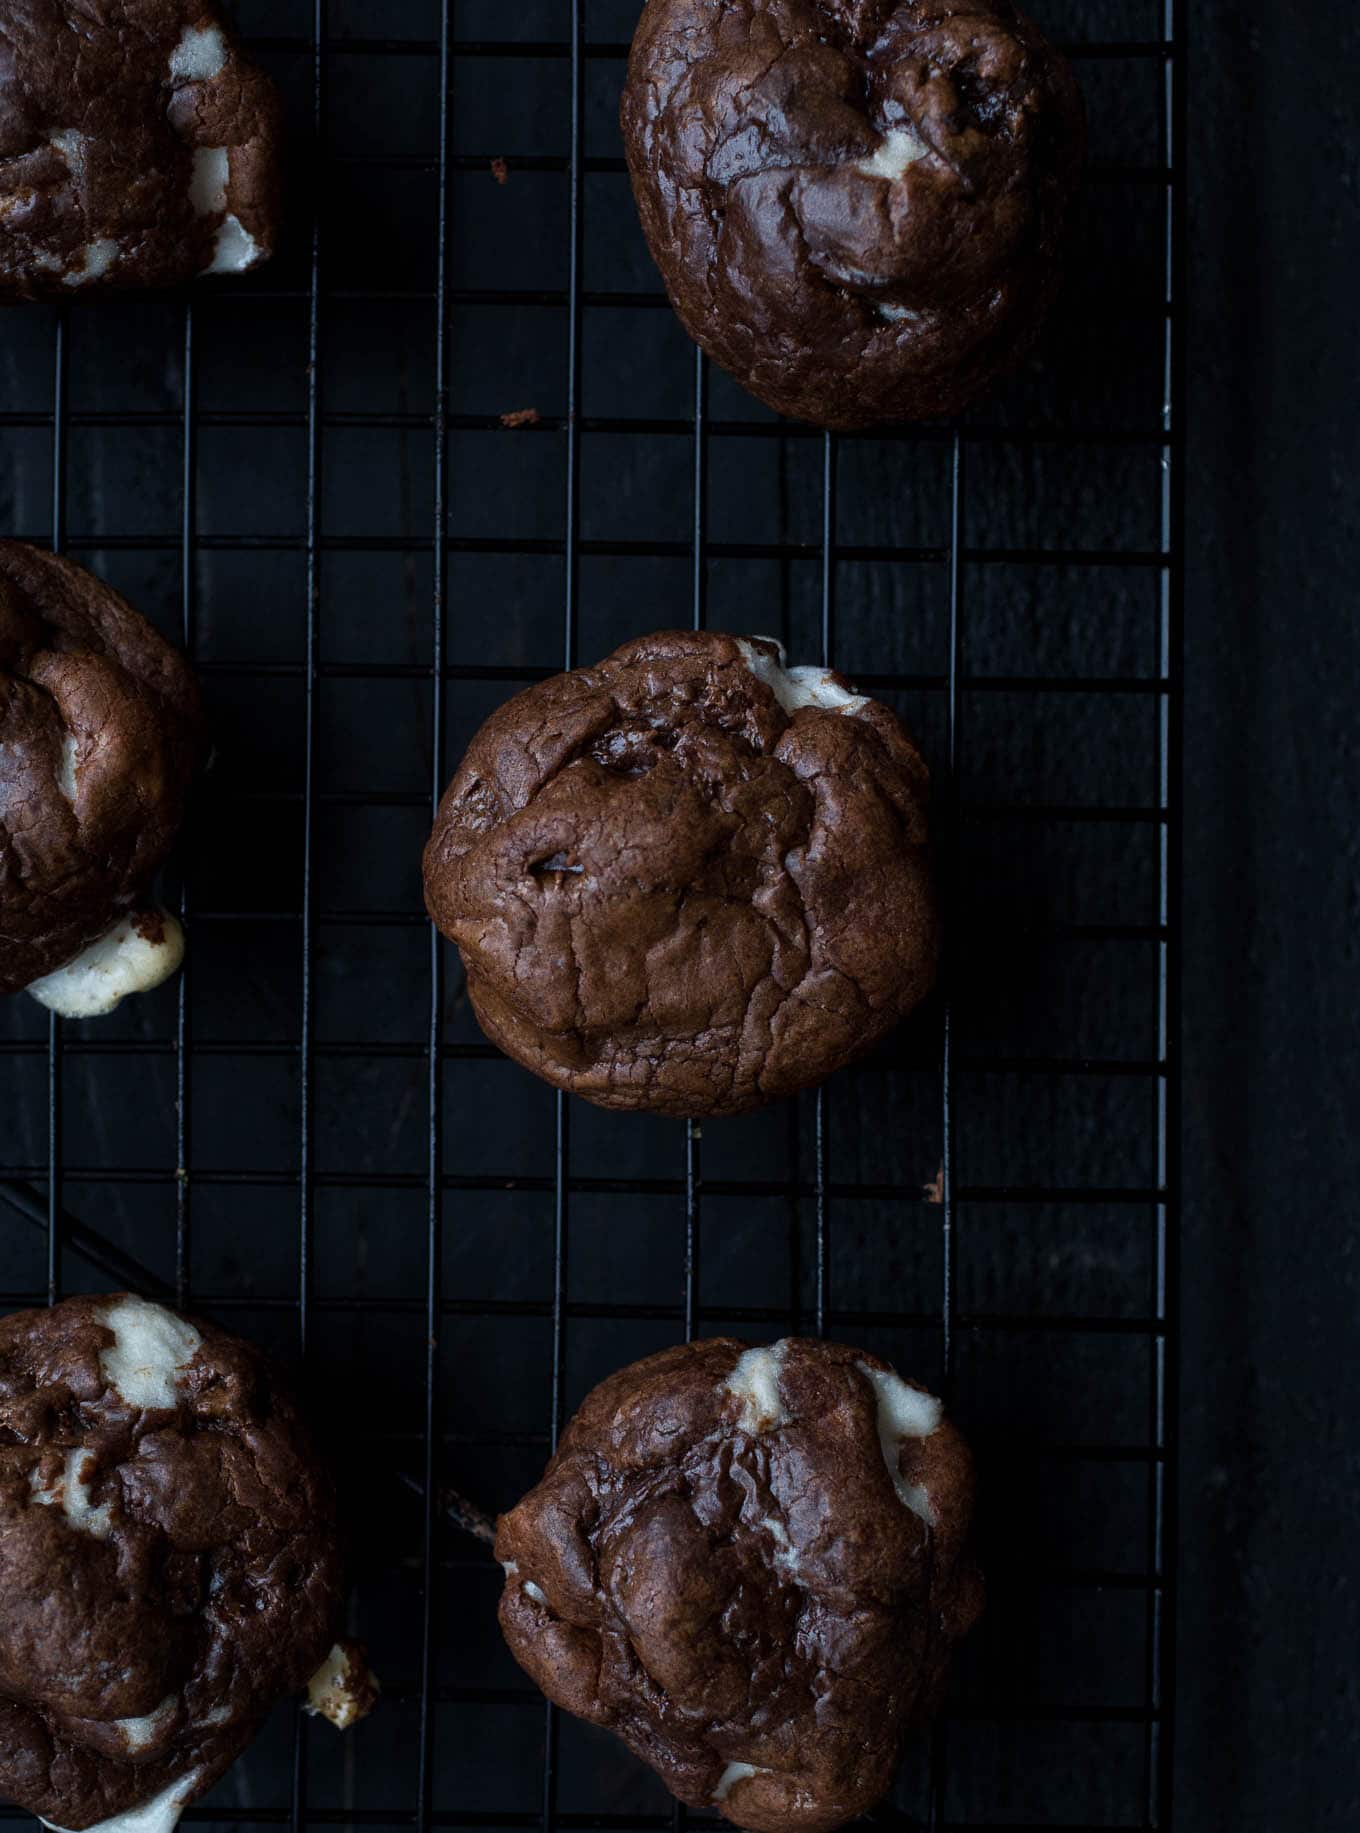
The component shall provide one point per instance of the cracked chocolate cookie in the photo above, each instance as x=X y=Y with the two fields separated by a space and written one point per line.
x=751 y=1565
x=100 y=735
x=688 y=879
x=857 y=206
x=169 y=1563
x=138 y=147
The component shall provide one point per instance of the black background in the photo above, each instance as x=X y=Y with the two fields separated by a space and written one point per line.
x=1266 y=1702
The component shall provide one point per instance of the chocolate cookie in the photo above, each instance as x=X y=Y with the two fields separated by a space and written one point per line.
x=100 y=734
x=687 y=879
x=169 y=1563
x=751 y=1565
x=857 y=206
x=138 y=147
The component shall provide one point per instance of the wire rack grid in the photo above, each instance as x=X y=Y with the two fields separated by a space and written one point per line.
x=308 y=1138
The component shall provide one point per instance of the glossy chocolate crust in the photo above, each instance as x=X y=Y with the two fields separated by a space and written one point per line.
x=198 y=1581
x=100 y=734
x=101 y=119
x=748 y=1603
x=836 y=295
x=671 y=894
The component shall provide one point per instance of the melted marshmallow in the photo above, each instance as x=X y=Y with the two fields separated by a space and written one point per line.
x=903 y=1412
x=798 y=687
x=71 y=1493
x=208 y=186
x=734 y=1773
x=511 y=1569
x=340 y=1690
x=159 y=1815
x=102 y=975
x=66 y=770
x=150 y=1348
x=200 y=54
x=786 y=1554
x=755 y=1382
x=899 y=148
x=236 y=249
x=70 y=143
x=97 y=258
x=140 y=1732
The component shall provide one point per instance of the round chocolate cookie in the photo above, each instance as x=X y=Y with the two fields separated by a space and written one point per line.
x=688 y=879
x=169 y=1564
x=857 y=206
x=100 y=734
x=751 y=1565
x=138 y=147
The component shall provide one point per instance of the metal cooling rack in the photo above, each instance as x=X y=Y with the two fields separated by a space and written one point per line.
x=103 y=1216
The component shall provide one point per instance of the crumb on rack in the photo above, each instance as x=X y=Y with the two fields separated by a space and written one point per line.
x=343 y=1689
x=500 y=171
x=522 y=416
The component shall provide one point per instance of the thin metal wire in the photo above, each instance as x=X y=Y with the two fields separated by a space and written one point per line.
x=949 y=804
x=60 y=391
x=312 y=586
x=572 y=550
x=698 y=618
x=1133 y=1196
x=952 y=803
x=188 y=586
x=270 y=420
x=1148 y=559
x=433 y=1433
x=1161 y=1560
x=820 y=1140
x=310 y=687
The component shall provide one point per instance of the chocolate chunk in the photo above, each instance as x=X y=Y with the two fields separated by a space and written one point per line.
x=138 y=147
x=857 y=206
x=687 y=879
x=169 y=1561
x=751 y=1565
x=100 y=734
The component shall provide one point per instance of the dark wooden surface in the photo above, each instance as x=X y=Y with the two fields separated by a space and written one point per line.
x=1269 y=1713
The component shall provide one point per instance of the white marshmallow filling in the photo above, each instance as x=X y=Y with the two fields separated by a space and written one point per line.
x=235 y=249
x=200 y=55
x=66 y=769
x=211 y=175
x=794 y=688
x=903 y=1413
x=511 y=1569
x=122 y=962
x=151 y=1349
x=158 y=1815
x=734 y=1773
x=139 y=1733
x=755 y=1383
x=899 y=148
x=71 y=1493
x=70 y=143
x=96 y=260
